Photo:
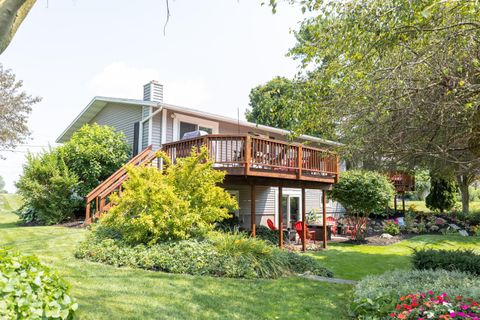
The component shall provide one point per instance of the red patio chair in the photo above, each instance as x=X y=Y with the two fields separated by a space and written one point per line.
x=271 y=225
x=332 y=222
x=310 y=234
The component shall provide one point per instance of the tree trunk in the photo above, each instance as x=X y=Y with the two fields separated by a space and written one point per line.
x=463 y=184
x=12 y=13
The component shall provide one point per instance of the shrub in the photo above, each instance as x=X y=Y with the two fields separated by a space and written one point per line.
x=391 y=228
x=431 y=305
x=460 y=260
x=442 y=193
x=224 y=255
x=376 y=296
x=361 y=192
x=49 y=189
x=476 y=230
x=30 y=290
x=93 y=153
x=181 y=203
x=265 y=233
x=474 y=194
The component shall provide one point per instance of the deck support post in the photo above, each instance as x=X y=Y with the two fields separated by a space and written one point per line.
x=403 y=201
x=280 y=217
x=88 y=219
x=304 y=222
x=253 y=211
x=324 y=211
x=395 y=204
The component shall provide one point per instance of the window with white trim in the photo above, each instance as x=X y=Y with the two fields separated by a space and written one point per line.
x=183 y=124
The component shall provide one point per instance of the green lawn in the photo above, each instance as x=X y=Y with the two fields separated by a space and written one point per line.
x=356 y=261
x=105 y=292
x=474 y=205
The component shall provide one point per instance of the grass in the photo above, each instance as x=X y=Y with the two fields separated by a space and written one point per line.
x=105 y=292
x=420 y=205
x=356 y=261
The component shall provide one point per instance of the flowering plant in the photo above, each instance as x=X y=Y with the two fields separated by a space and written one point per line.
x=423 y=306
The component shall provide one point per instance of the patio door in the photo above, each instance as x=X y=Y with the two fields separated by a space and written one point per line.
x=291 y=210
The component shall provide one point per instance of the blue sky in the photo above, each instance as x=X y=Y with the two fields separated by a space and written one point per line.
x=213 y=53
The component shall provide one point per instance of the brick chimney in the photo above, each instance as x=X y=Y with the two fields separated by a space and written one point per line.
x=153 y=91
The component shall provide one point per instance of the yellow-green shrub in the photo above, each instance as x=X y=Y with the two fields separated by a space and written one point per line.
x=184 y=201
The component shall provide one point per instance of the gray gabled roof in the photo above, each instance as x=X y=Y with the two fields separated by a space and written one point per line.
x=97 y=104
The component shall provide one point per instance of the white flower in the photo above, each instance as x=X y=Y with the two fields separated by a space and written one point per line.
x=430 y=315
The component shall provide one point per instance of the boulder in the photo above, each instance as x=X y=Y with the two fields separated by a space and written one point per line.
x=463 y=233
x=454 y=226
x=386 y=236
x=440 y=221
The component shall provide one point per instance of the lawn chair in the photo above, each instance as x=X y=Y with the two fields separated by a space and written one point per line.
x=310 y=234
x=271 y=225
x=332 y=222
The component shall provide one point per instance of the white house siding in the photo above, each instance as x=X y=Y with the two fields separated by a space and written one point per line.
x=145 y=127
x=265 y=204
x=157 y=130
x=169 y=126
x=121 y=117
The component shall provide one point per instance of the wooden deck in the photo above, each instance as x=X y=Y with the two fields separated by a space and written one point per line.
x=402 y=181
x=246 y=159
x=244 y=155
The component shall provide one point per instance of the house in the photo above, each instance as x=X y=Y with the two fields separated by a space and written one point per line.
x=284 y=179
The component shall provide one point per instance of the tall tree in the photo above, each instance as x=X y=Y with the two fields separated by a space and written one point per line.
x=12 y=14
x=15 y=106
x=404 y=79
x=282 y=103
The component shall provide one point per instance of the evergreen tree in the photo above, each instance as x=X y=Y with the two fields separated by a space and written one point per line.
x=442 y=193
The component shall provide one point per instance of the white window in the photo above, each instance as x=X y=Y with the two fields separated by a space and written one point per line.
x=183 y=123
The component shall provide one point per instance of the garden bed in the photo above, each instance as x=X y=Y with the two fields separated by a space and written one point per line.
x=378 y=240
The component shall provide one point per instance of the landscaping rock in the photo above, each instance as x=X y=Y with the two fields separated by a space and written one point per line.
x=386 y=236
x=454 y=226
x=463 y=233
x=440 y=221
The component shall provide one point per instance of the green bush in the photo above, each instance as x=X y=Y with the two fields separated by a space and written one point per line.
x=183 y=202
x=460 y=260
x=375 y=296
x=474 y=194
x=93 y=153
x=49 y=189
x=442 y=193
x=55 y=183
x=265 y=233
x=223 y=255
x=30 y=290
x=361 y=193
x=391 y=228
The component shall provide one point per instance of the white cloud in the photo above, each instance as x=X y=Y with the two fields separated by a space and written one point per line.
x=191 y=93
x=121 y=80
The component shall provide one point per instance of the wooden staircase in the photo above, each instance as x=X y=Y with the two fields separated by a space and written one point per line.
x=97 y=199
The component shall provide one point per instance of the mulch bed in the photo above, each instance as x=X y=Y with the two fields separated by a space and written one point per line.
x=376 y=240
x=72 y=224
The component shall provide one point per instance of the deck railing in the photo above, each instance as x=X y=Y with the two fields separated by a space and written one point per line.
x=246 y=155
x=236 y=154
x=402 y=181
x=97 y=200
